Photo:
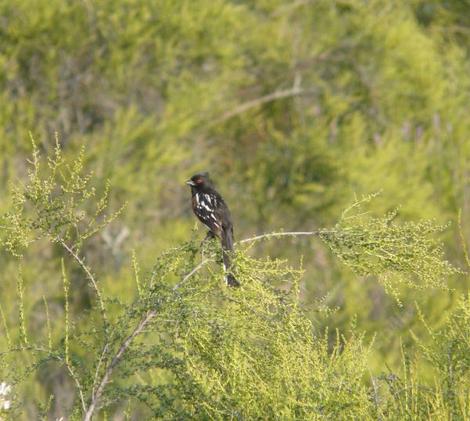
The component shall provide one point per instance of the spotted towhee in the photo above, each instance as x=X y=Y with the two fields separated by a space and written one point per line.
x=213 y=212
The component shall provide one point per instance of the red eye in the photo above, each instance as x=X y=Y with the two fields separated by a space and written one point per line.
x=199 y=181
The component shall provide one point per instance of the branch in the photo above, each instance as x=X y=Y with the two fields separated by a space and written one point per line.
x=58 y=358
x=253 y=239
x=260 y=101
x=115 y=361
x=186 y=277
x=290 y=7
x=280 y=234
x=96 y=395
x=90 y=277
x=77 y=382
x=95 y=380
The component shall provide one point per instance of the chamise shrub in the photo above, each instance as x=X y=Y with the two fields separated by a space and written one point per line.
x=353 y=305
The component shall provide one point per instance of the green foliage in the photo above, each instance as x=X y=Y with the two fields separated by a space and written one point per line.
x=408 y=396
x=296 y=108
x=186 y=346
x=396 y=253
x=59 y=201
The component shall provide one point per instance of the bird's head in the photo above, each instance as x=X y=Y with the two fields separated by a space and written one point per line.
x=199 y=181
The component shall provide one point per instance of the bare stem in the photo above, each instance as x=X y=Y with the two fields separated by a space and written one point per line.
x=115 y=361
x=280 y=234
x=77 y=383
x=58 y=358
x=260 y=101
x=90 y=277
x=98 y=366
x=251 y=240
x=186 y=277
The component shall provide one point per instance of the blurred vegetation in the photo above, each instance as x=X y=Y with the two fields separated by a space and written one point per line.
x=298 y=109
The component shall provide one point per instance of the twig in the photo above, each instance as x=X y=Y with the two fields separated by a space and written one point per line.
x=96 y=395
x=77 y=382
x=186 y=277
x=90 y=277
x=58 y=358
x=290 y=7
x=115 y=361
x=253 y=239
x=95 y=380
x=260 y=101
x=281 y=234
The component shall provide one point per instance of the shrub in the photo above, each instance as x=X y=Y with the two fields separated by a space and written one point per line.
x=186 y=346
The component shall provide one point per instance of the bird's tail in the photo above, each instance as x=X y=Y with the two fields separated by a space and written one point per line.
x=227 y=248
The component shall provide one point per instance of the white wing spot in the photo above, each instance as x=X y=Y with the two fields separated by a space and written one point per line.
x=206 y=207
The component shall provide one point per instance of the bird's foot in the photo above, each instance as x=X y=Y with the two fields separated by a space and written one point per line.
x=231 y=280
x=209 y=236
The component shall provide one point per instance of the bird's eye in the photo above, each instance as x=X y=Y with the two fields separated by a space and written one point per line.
x=199 y=181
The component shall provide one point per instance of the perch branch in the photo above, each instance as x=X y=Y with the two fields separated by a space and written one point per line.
x=252 y=239
x=280 y=234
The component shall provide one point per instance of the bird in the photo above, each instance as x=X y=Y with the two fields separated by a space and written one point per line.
x=211 y=209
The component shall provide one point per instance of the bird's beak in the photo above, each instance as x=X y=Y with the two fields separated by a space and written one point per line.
x=190 y=183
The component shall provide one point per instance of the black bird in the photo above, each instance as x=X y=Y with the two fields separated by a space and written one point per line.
x=213 y=212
